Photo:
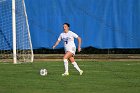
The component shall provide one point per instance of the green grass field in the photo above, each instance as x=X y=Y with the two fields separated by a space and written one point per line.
x=98 y=77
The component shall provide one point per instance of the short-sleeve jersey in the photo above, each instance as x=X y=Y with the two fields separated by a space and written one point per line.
x=68 y=39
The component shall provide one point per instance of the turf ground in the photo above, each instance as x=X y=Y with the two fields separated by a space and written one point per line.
x=98 y=77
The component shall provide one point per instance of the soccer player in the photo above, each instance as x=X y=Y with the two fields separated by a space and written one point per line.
x=68 y=37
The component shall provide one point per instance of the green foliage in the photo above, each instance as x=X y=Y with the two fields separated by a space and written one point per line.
x=90 y=50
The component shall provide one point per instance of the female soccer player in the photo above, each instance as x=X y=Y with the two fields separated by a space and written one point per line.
x=68 y=37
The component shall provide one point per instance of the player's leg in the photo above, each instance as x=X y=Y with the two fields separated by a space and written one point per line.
x=72 y=60
x=65 y=59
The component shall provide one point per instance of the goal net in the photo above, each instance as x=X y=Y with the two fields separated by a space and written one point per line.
x=15 y=40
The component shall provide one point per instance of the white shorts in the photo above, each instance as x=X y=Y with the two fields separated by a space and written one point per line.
x=72 y=50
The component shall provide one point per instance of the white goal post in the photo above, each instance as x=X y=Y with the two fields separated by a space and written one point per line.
x=15 y=40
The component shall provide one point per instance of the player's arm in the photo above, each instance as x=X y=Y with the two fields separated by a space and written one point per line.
x=57 y=42
x=79 y=43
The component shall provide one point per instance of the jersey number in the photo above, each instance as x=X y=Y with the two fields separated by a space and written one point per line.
x=66 y=42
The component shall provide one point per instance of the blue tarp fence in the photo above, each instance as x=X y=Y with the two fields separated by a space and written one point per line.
x=101 y=24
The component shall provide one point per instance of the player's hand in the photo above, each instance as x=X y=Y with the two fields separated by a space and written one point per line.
x=53 y=47
x=79 y=49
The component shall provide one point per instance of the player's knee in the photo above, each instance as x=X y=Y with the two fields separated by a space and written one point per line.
x=64 y=58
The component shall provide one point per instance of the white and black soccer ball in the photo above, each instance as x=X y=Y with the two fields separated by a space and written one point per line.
x=43 y=72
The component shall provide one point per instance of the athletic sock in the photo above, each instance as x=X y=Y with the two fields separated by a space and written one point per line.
x=66 y=65
x=76 y=66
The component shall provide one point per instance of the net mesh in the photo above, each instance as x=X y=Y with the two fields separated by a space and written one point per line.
x=23 y=42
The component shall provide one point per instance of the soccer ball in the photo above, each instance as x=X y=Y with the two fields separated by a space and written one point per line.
x=43 y=72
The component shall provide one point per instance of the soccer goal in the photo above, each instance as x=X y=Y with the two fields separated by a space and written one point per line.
x=15 y=40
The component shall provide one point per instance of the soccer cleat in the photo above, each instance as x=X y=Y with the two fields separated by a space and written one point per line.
x=65 y=74
x=81 y=72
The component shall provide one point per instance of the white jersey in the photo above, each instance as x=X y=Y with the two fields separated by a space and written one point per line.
x=68 y=39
